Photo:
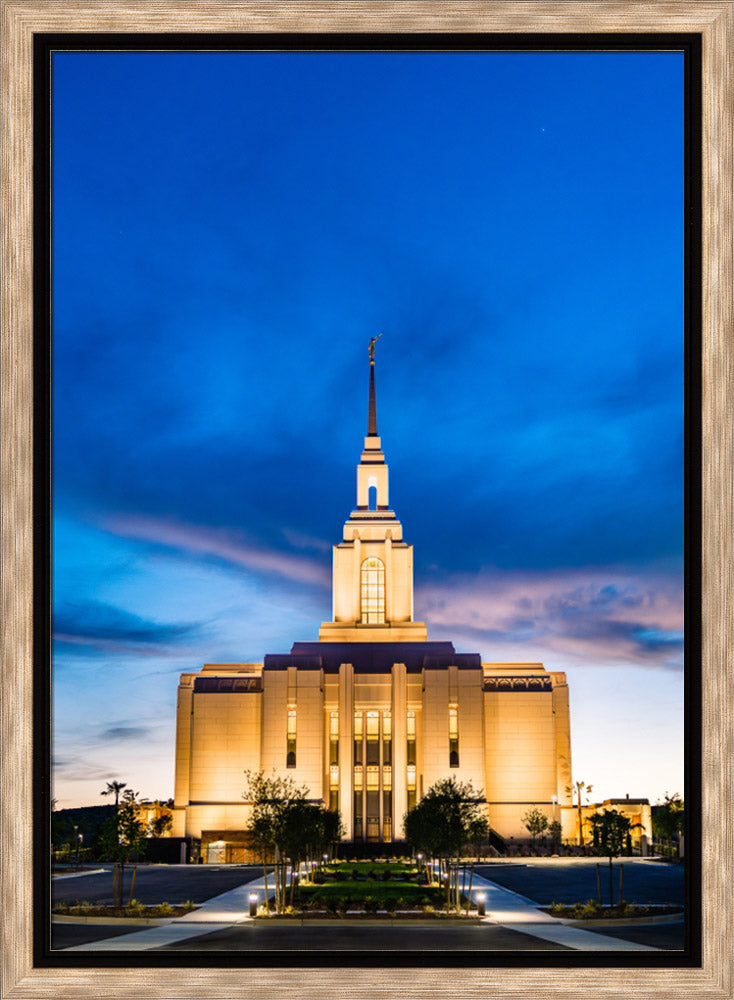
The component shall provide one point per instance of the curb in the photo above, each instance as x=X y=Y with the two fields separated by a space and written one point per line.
x=56 y=877
x=63 y=918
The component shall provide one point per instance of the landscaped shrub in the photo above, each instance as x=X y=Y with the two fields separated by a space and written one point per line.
x=188 y=905
x=163 y=910
x=370 y=904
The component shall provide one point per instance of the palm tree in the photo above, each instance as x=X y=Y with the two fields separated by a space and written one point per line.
x=114 y=788
x=580 y=787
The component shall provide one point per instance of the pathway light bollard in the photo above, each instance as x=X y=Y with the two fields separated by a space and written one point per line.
x=481 y=904
x=253 y=904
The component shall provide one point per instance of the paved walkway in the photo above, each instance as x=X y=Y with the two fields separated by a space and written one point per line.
x=503 y=907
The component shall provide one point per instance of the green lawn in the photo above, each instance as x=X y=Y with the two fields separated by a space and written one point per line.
x=365 y=867
x=379 y=889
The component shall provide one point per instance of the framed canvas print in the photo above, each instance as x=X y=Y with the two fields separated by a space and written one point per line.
x=455 y=722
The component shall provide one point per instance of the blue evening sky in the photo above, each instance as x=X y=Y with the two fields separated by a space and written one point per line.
x=229 y=230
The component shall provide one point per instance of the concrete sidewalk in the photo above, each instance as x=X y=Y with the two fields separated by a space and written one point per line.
x=503 y=906
x=215 y=914
x=518 y=913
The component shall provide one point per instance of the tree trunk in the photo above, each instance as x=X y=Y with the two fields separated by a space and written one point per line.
x=621 y=882
x=120 y=885
x=132 y=884
x=611 y=884
x=265 y=882
x=468 y=895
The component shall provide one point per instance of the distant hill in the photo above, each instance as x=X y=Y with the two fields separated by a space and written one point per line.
x=87 y=819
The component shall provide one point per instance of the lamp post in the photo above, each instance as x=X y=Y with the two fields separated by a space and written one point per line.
x=253 y=899
x=481 y=898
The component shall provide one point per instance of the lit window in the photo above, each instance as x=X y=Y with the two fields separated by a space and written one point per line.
x=373 y=779
x=358 y=779
x=411 y=737
x=453 y=723
x=334 y=776
x=358 y=725
x=373 y=725
x=411 y=777
x=387 y=778
x=453 y=736
x=386 y=738
x=290 y=757
x=334 y=738
x=373 y=592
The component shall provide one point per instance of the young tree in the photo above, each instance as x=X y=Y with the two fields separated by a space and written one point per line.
x=123 y=837
x=610 y=837
x=286 y=826
x=161 y=825
x=668 y=817
x=535 y=822
x=442 y=823
x=554 y=830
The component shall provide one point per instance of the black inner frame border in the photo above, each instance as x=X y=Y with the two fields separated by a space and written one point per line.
x=44 y=45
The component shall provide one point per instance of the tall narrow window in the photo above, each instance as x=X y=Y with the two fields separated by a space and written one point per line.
x=410 y=732
x=453 y=736
x=290 y=756
x=334 y=787
x=358 y=737
x=373 y=738
x=373 y=592
x=386 y=738
x=334 y=738
x=411 y=786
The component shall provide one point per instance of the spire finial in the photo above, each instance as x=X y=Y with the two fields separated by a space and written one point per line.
x=372 y=419
x=373 y=341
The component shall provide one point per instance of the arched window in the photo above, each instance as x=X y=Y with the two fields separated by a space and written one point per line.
x=372 y=602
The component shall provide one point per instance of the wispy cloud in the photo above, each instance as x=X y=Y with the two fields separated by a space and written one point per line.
x=595 y=617
x=223 y=544
x=124 y=733
x=95 y=625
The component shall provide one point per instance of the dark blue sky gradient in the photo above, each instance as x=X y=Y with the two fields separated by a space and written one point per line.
x=229 y=231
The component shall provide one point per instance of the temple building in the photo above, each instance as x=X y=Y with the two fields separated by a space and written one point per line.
x=373 y=713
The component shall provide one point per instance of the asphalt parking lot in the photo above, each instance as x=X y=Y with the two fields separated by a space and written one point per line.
x=575 y=881
x=537 y=879
x=156 y=883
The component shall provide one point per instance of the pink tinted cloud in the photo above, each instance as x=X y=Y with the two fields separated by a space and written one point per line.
x=594 y=616
x=222 y=544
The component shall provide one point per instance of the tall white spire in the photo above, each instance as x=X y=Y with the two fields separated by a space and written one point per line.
x=372 y=566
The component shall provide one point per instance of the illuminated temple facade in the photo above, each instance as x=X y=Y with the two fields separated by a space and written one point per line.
x=373 y=713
